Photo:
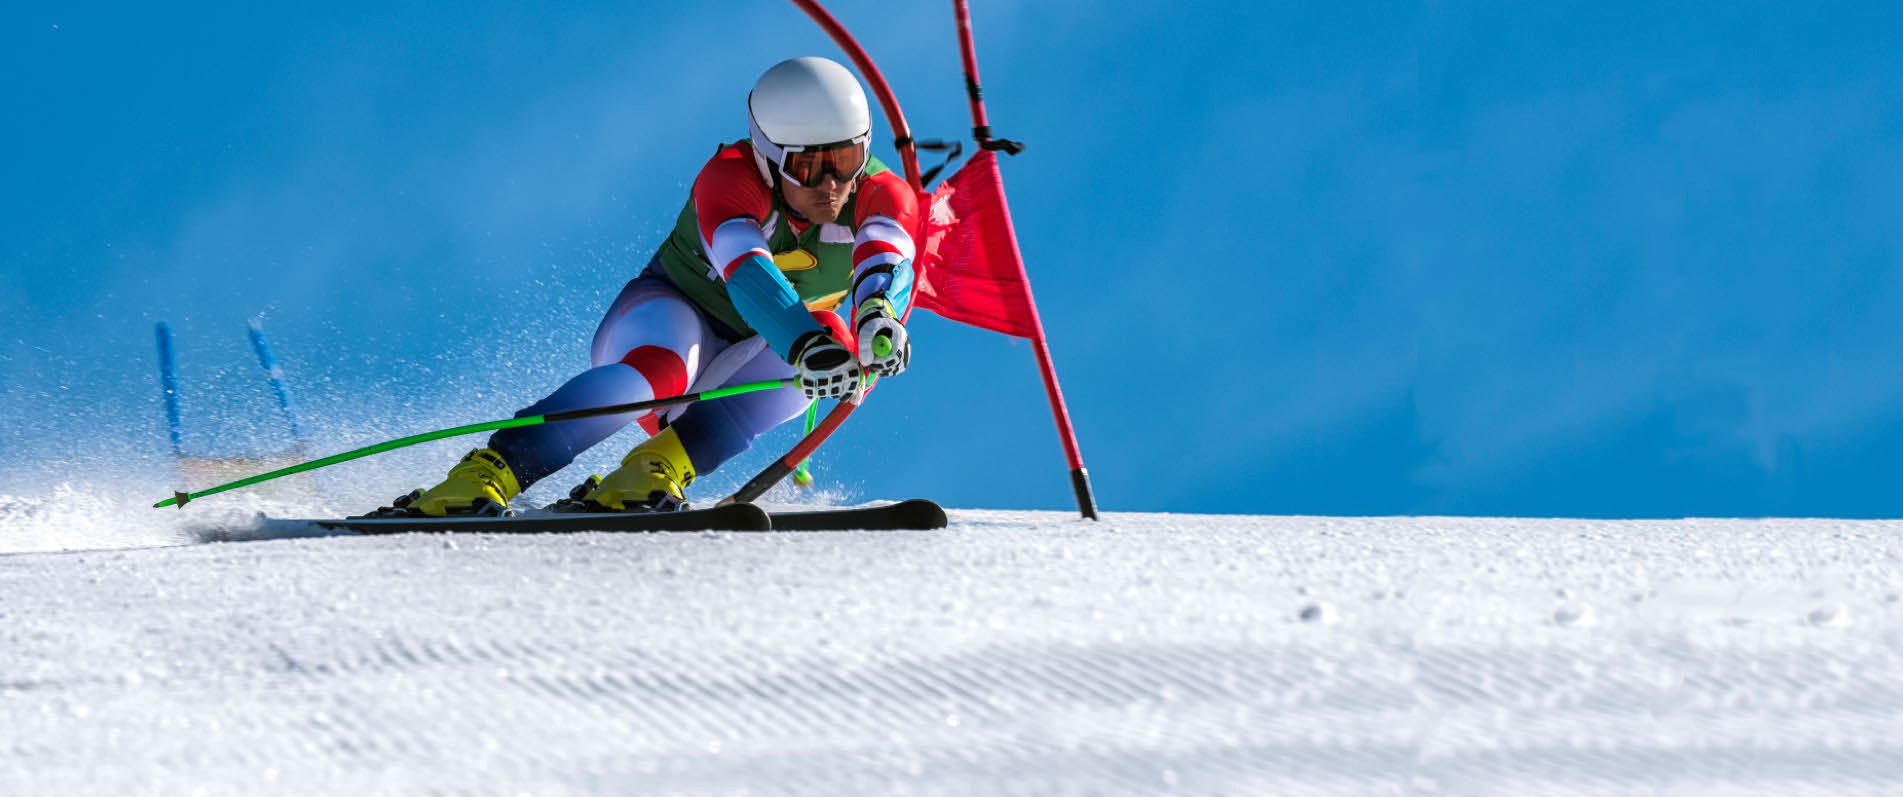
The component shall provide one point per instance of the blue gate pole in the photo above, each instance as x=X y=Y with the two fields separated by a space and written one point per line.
x=278 y=386
x=168 y=385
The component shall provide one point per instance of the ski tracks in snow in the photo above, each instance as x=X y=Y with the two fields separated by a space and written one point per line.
x=1016 y=653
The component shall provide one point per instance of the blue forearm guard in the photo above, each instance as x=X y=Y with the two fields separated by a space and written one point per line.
x=768 y=304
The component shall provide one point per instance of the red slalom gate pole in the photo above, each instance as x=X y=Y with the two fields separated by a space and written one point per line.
x=981 y=130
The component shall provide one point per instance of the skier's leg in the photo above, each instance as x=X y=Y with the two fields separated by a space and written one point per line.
x=651 y=344
x=713 y=432
x=537 y=451
x=655 y=474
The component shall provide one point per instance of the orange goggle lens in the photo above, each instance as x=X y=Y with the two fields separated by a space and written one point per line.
x=808 y=166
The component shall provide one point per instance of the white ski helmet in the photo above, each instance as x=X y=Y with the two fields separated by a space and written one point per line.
x=807 y=104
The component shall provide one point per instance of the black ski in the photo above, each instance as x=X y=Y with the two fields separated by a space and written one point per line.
x=732 y=517
x=913 y=515
x=917 y=514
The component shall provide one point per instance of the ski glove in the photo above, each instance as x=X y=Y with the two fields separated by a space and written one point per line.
x=826 y=369
x=884 y=348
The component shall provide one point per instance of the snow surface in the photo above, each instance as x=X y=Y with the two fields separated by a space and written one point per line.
x=1014 y=653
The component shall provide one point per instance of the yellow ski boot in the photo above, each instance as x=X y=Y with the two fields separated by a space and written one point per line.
x=481 y=484
x=652 y=478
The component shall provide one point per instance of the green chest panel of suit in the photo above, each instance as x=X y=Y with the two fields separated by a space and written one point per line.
x=817 y=261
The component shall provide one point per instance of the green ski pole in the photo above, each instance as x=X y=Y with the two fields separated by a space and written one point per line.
x=179 y=499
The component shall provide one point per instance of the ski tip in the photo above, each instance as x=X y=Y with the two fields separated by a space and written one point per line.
x=750 y=516
x=929 y=512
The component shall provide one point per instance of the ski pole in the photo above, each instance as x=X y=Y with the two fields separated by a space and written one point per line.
x=179 y=499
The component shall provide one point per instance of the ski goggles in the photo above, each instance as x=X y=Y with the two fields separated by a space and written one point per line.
x=806 y=166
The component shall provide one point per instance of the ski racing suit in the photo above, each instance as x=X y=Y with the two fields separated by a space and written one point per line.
x=737 y=282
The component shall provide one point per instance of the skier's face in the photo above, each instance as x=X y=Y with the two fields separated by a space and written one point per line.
x=821 y=203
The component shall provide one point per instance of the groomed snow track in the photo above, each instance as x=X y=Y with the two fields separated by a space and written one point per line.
x=1015 y=653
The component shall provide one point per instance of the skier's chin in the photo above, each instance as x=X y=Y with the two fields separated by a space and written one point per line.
x=818 y=205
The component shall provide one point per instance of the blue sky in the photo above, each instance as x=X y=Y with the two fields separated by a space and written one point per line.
x=1565 y=258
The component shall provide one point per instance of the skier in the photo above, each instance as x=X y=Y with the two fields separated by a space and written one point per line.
x=779 y=229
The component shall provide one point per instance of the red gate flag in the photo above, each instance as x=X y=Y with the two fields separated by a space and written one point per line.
x=968 y=269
